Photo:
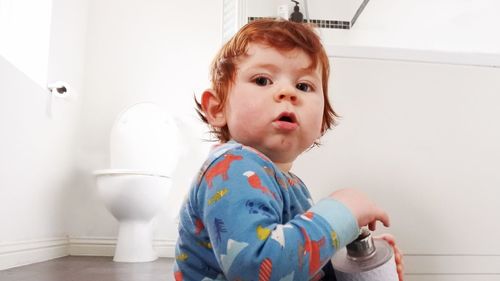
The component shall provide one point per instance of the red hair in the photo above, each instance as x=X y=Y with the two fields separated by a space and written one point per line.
x=282 y=35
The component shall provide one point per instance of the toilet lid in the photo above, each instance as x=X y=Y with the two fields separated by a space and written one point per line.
x=144 y=137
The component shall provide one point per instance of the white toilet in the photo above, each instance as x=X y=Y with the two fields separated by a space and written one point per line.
x=143 y=155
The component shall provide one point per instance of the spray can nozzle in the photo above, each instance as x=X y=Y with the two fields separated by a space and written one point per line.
x=363 y=247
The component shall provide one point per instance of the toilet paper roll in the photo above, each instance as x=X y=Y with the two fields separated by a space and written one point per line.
x=385 y=272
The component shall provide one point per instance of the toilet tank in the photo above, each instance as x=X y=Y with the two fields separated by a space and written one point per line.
x=145 y=138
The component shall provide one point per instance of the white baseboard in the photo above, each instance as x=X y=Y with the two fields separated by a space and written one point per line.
x=105 y=246
x=452 y=265
x=417 y=267
x=32 y=251
x=21 y=253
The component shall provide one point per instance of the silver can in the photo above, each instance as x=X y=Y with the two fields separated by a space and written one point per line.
x=365 y=259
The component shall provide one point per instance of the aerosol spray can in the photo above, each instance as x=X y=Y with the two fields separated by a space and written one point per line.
x=365 y=259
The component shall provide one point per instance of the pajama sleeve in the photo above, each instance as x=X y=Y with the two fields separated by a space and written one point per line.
x=242 y=205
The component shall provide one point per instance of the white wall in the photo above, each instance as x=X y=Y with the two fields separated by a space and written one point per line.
x=25 y=36
x=38 y=148
x=113 y=54
x=421 y=139
x=419 y=99
x=137 y=51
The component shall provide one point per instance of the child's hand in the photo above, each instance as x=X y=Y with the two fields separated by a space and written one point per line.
x=398 y=255
x=365 y=211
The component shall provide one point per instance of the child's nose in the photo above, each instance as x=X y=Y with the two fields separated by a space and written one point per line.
x=286 y=94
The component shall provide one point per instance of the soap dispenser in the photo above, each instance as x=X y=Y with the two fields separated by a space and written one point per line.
x=296 y=16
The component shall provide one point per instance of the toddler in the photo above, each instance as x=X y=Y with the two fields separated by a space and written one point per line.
x=247 y=217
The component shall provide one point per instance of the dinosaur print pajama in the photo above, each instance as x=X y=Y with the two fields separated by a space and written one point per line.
x=244 y=219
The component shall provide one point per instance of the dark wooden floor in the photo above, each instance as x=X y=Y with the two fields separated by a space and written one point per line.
x=78 y=268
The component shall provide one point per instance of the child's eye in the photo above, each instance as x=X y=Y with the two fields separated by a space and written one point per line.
x=304 y=87
x=262 y=81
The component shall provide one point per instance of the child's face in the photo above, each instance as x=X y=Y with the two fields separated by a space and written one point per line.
x=276 y=103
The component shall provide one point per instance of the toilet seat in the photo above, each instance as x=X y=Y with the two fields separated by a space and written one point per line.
x=144 y=137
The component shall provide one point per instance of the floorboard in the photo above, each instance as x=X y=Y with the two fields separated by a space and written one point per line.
x=79 y=268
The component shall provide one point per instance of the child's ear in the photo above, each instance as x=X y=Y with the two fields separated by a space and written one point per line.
x=210 y=104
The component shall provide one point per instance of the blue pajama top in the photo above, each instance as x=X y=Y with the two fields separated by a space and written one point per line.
x=244 y=219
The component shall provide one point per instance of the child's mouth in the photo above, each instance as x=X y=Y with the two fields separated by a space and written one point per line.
x=286 y=121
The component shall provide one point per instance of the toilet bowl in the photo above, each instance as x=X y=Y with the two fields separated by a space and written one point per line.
x=143 y=145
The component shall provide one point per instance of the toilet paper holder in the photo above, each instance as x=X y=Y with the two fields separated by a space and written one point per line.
x=59 y=88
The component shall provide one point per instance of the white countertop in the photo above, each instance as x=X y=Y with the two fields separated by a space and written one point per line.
x=414 y=54
x=440 y=31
